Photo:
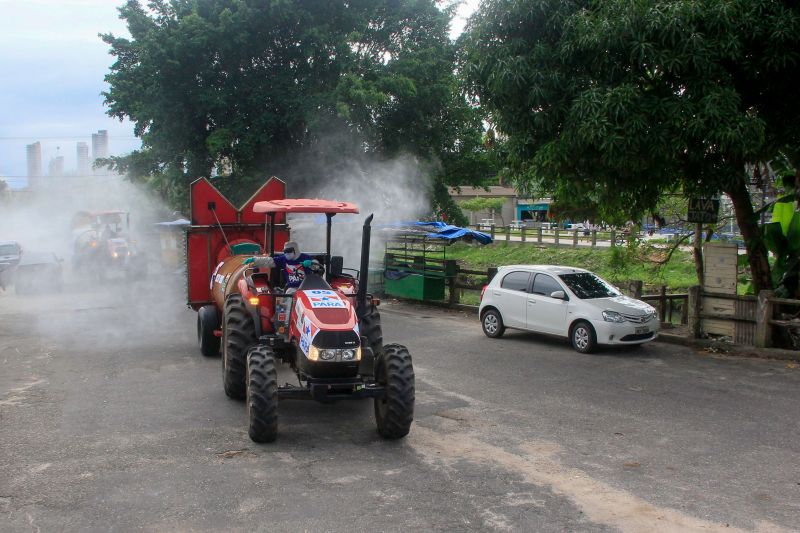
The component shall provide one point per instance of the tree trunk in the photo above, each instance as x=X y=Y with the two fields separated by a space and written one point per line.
x=753 y=241
x=698 y=254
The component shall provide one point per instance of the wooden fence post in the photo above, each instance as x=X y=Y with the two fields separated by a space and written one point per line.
x=539 y=235
x=662 y=303
x=685 y=312
x=695 y=304
x=594 y=237
x=508 y=233
x=451 y=267
x=491 y=272
x=764 y=313
x=522 y=233
x=613 y=238
x=491 y=229
x=575 y=238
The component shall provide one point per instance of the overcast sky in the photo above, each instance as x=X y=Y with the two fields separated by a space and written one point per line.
x=52 y=65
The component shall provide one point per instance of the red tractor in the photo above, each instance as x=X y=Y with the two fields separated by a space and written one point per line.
x=328 y=331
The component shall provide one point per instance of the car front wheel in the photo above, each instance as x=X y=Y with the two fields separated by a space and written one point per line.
x=492 y=324
x=583 y=337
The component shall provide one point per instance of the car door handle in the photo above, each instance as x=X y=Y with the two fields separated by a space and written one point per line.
x=496 y=293
x=531 y=302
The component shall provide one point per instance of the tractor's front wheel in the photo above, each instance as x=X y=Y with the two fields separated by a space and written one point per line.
x=262 y=394
x=207 y=323
x=238 y=334
x=395 y=411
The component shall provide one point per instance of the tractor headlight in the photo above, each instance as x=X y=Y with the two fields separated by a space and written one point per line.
x=351 y=354
x=327 y=355
x=334 y=354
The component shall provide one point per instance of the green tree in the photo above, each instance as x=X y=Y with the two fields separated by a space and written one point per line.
x=493 y=205
x=295 y=88
x=616 y=102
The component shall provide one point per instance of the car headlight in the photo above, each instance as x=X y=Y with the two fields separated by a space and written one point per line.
x=613 y=316
x=334 y=354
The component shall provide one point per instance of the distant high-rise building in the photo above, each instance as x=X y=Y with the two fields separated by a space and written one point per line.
x=56 y=167
x=100 y=144
x=34 y=153
x=82 y=152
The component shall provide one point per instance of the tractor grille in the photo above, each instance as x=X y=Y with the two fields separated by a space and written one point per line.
x=336 y=339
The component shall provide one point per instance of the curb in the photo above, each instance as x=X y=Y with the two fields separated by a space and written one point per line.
x=717 y=347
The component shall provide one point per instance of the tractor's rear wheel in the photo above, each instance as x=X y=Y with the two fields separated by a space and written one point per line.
x=207 y=323
x=262 y=394
x=370 y=327
x=395 y=411
x=238 y=334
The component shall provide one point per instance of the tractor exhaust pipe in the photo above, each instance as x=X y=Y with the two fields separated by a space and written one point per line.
x=361 y=297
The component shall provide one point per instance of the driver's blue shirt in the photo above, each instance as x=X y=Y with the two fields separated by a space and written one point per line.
x=295 y=273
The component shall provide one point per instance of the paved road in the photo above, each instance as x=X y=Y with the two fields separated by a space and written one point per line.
x=110 y=420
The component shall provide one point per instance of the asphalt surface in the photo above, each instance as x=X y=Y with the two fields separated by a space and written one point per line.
x=111 y=420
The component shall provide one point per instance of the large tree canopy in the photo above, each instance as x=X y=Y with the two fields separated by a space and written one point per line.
x=617 y=101
x=252 y=87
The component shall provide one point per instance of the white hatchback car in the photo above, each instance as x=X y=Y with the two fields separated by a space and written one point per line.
x=565 y=301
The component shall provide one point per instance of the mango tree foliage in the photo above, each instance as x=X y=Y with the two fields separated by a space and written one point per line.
x=615 y=102
x=250 y=88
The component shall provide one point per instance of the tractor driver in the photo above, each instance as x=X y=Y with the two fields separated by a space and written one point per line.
x=292 y=262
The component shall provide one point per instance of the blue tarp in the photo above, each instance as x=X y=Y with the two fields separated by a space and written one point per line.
x=442 y=230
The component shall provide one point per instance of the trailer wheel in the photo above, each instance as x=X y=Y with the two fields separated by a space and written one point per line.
x=207 y=322
x=394 y=412
x=370 y=327
x=238 y=334
x=262 y=394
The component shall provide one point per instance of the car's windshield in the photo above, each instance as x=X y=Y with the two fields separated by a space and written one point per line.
x=586 y=285
x=8 y=249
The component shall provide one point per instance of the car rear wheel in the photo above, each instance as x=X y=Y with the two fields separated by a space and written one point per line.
x=583 y=337
x=492 y=324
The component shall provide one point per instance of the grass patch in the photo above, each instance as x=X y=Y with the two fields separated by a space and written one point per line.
x=618 y=265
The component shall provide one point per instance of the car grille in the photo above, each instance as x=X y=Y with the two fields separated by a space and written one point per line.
x=637 y=337
x=639 y=319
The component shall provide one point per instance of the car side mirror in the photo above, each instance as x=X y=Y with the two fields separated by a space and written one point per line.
x=558 y=295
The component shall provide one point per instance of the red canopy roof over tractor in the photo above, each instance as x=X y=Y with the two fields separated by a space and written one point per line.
x=304 y=205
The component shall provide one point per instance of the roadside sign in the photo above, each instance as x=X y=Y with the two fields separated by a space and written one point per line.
x=703 y=210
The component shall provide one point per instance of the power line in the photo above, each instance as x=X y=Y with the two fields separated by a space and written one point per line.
x=64 y=138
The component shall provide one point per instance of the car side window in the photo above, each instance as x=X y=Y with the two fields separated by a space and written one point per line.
x=545 y=285
x=516 y=281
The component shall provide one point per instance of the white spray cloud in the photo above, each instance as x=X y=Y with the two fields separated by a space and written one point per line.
x=114 y=313
x=393 y=191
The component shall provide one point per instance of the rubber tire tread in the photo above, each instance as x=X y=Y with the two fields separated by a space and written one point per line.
x=592 y=338
x=501 y=328
x=207 y=322
x=239 y=333
x=370 y=327
x=394 y=370
x=262 y=394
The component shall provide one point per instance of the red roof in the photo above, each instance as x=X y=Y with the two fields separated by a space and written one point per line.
x=304 y=205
